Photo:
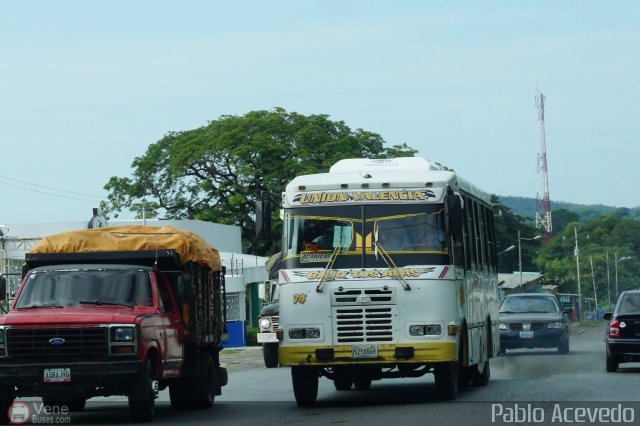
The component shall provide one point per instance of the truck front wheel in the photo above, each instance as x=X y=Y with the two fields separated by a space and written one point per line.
x=6 y=399
x=270 y=353
x=142 y=395
x=305 y=385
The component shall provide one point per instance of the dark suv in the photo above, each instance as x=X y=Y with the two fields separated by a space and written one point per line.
x=533 y=320
x=623 y=334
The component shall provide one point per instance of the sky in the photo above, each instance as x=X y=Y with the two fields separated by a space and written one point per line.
x=85 y=87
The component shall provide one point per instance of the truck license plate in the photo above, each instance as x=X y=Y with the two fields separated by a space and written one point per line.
x=364 y=351
x=526 y=334
x=55 y=375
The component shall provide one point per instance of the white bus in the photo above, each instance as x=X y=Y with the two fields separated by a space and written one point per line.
x=389 y=270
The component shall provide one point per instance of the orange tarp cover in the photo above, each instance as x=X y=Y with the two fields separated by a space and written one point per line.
x=191 y=247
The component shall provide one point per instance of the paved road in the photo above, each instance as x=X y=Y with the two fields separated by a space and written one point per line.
x=538 y=379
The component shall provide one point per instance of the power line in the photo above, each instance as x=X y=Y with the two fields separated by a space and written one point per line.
x=48 y=193
x=48 y=187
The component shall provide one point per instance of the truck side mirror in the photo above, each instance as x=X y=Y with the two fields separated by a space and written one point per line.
x=453 y=214
x=263 y=217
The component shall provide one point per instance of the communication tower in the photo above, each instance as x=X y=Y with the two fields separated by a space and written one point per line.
x=543 y=202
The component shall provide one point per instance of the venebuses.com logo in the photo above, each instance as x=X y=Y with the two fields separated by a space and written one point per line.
x=35 y=412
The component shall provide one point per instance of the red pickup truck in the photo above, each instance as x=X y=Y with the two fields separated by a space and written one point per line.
x=116 y=311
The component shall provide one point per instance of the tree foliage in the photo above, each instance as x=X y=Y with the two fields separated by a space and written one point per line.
x=601 y=240
x=507 y=225
x=217 y=172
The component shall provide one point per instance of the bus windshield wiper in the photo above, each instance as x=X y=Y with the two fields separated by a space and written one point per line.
x=332 y=260
x=100 y=302
x=390 y=263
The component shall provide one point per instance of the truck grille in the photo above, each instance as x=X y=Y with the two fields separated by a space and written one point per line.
x=80 y=344
x=363 y=324
x=275 y=322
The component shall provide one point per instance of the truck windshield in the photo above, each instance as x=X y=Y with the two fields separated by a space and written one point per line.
x=73 y=288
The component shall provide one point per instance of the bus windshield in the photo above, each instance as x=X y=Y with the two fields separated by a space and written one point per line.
x=411 y=233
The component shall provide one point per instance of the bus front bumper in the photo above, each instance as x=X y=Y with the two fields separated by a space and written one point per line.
x=409 y=353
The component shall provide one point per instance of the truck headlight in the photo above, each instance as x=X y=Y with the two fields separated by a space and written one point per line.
x=557 y=324
x=2 y=334
x=503 y=326
x=265 y=324
x=123 y=334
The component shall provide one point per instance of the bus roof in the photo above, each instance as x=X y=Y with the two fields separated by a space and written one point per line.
x=374 y=174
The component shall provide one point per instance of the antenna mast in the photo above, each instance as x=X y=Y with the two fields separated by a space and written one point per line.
x=543 y=203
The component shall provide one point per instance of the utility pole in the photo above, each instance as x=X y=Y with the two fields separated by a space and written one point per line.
x=576 y=253
x=608 y=283
x=595 y=294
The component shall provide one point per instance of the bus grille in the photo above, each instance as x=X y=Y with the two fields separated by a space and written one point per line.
x=363 y=296
x=363 y=324
x=80 y=344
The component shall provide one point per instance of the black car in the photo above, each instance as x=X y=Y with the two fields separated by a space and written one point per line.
x=623 y=334
x=533 y=320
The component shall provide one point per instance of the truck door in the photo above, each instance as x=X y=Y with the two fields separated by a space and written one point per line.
x=173 y=331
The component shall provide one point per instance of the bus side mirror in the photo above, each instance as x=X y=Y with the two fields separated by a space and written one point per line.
x=263 y=218
x=453 y=214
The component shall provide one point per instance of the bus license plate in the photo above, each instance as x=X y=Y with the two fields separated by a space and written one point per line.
x=526 y=334
x=56 y=375
x=364 y=351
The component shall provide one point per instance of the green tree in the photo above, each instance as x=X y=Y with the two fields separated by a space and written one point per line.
x=507 y=225
x=560 y=218
x=217 y=172
x=600 y=239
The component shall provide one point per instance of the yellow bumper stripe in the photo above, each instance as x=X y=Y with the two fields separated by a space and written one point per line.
x=422 y=353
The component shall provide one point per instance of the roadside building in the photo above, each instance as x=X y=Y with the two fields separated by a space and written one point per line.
x=529 y=282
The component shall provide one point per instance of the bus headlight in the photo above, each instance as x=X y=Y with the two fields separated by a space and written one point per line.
x=425 y=330
x=265 y=324
x=304 y=333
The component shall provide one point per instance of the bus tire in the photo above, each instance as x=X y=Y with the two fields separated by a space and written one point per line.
x=270 y=354
x=482 y=372
x=481 y=377
x=446 y=377
x=305 y=385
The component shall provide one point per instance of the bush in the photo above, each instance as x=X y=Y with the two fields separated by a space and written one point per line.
x=252 y=336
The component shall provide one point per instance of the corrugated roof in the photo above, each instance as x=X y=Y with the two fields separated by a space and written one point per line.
x=511 y=281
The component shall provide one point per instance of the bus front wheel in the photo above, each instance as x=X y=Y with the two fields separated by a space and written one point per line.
x=305 y=385
x=446 y=376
